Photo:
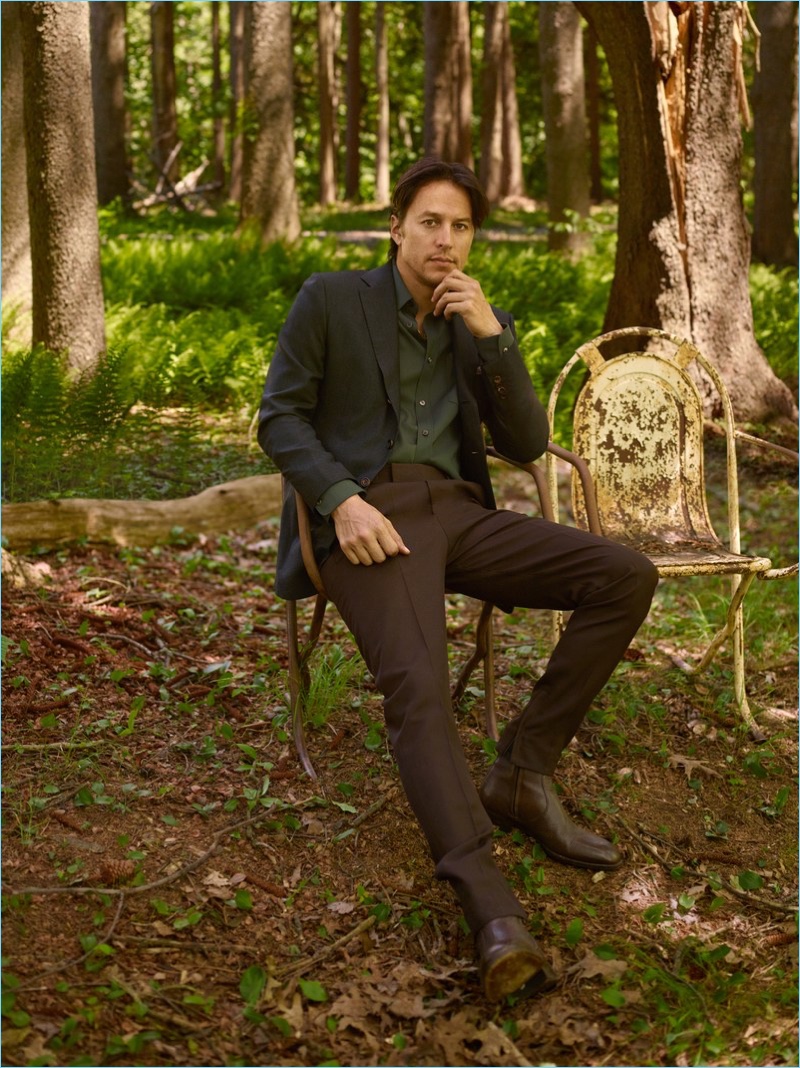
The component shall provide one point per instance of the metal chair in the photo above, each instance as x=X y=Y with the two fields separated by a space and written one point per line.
x=638 y=426
x=300 y=651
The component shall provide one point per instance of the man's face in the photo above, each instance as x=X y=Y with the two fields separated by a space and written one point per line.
x=434 y=237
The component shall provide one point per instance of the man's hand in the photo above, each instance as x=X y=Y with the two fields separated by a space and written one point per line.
x=365 y=535
x=460 y=293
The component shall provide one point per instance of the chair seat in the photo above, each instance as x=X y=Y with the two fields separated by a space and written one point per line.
x=697 y=558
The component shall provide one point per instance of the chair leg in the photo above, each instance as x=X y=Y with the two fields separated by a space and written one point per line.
x=483 y=650
x=489 y=707
x=298 y=674
x=734 y=628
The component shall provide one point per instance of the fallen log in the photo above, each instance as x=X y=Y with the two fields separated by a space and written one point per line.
x=228 y=506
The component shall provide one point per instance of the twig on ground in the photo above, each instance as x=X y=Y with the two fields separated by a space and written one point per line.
x=85 y=956
x=743 y=895
x=310 y=962
x=32 y=747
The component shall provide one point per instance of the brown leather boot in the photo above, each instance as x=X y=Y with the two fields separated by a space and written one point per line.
x=519 y=797
x=510 y=960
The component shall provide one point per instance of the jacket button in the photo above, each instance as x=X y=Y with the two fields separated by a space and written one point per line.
x=364 y=482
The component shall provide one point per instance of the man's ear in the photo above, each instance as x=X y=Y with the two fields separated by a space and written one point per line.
x=394 y=229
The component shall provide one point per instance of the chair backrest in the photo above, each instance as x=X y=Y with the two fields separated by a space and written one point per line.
x=638 y=422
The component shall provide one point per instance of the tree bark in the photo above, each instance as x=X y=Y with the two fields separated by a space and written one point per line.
x=382 y=92
x=107 y=29
x=563 y=104
x=774 y=95
x=165 y=109
x=352 y=170
x=438 y=120
x=591 y=61
x=236 y=9
x=233 y=505
x=62 y=190
x=326 y=56
x=462 y=86
x=513 y=179
x=216 y=99
x=491 y=165
x=683 y=249
x=15 y=223
x=269 y=195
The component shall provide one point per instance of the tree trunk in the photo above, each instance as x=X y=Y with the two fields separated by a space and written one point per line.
x=16 y=228
x=382 y=92
x=513 y=179
x=236 y=9
x=233 y=505
x=438 y=121
x=216 y=99
x=491 y=166
x=563 y=104
x=591 y=61
x=448 y=81
x=107 y=28
x=326 y=44
x=462 y=86
x=774 y=93
x=352 y=170
x=683 y=248
x=269 y=195
x=165 y=110
x=62 y=189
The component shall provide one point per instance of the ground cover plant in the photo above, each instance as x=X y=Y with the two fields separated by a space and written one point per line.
x=176 y=891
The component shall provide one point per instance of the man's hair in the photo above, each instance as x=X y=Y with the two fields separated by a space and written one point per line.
x=431 y=169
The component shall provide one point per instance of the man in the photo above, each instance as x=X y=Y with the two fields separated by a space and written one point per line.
x=372 y=410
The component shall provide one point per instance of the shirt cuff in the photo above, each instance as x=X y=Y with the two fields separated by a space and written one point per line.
x=335 y=494
x=489 y=348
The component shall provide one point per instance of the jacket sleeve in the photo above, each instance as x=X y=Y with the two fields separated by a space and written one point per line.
x=289 y=403
x=510 y=406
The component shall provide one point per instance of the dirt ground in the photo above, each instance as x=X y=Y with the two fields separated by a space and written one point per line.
x=178 y=892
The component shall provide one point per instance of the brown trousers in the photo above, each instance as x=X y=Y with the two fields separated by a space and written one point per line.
x=396 y=613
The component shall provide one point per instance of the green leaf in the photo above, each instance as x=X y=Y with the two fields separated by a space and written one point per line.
x=655 y=913
x=574 y=932
x=313 y=990
x=252 y=983
x=686 y=901
x=750 y=880
x=605 y=952
x=613 y=996
x=282 y=1025
x=243 y=899
x=248 y=750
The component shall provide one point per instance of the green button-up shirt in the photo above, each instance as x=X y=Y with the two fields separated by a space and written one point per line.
x=428 y=430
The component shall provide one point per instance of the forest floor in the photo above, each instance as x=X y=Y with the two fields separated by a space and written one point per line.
x=178 y=892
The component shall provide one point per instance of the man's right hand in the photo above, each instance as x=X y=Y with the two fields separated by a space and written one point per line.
x=365 y=535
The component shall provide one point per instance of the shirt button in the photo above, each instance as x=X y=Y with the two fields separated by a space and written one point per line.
x=422 y=403
x=425 y=433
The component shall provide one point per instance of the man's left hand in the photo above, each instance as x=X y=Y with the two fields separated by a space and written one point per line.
x=462 y=294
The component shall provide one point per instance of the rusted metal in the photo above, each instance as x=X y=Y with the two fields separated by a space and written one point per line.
x=638 y=428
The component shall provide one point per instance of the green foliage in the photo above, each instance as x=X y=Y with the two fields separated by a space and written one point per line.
x=193 y=313
x=774 y=297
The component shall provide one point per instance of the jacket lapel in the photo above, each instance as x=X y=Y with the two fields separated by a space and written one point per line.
x=380 y=311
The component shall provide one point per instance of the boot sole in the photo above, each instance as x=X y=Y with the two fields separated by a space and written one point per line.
x=517 y=973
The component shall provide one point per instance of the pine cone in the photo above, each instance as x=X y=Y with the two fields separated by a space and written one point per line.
x=116 y=871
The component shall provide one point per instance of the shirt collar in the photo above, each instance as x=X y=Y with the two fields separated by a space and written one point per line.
x=401 y=290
